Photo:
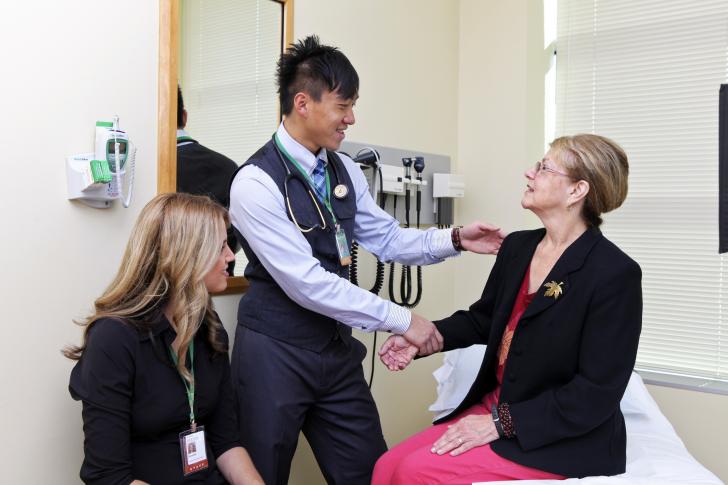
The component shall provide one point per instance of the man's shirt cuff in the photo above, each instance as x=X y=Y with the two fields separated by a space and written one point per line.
x=441 y=244
x=398 y=320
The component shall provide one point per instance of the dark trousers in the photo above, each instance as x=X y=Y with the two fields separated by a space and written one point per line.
x=282 y=390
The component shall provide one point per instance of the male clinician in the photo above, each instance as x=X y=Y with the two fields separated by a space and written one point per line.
x=297 y=206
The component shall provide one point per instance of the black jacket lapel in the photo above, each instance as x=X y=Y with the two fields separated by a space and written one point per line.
x=557 y=281
x=519 y=263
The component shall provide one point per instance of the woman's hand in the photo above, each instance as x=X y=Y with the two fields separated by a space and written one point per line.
x=466 y=434
x=396 y=352
x=480 y=237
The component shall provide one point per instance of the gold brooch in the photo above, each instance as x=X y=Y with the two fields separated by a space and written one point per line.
x=554 y=289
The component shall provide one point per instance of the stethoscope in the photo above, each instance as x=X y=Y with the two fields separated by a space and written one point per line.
x=340 y=191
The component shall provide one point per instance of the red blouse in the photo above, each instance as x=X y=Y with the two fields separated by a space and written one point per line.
x=523 y=299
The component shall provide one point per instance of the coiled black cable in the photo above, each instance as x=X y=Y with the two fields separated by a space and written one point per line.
x=379 y=278
x=353 y=268
x=405 y=282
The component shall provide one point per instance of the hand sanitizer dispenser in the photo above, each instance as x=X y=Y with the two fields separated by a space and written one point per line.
x=96 y=179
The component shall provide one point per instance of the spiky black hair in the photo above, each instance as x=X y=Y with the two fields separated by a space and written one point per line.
x=309 y=66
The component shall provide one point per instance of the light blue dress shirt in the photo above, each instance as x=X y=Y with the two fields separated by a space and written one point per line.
x=258 y=212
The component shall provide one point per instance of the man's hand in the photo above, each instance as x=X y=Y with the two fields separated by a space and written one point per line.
x=480 y=237
x=396 y=352
x=423 y=334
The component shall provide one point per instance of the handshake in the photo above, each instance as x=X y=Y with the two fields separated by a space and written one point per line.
x=421 y=338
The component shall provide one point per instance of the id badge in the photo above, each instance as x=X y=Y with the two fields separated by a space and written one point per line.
x=194 y=451
x=342 y=246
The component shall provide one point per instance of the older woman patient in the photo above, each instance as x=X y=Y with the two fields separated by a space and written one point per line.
x=153 y=370
x=561 y=314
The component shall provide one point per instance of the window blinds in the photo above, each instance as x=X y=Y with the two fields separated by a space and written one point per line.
x=229 y=50
x=647 y=74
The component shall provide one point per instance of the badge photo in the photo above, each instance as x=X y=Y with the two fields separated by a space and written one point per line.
x=194 y=452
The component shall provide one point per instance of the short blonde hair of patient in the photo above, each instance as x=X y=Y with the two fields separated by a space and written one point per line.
x=174 y=244
x=603 y=164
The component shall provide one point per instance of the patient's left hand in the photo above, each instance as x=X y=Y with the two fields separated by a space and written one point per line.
x=470 y=432
x=396 y=352
x=481 y=237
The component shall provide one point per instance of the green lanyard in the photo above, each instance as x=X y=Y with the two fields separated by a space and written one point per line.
x=189 y=387
x=326 y=200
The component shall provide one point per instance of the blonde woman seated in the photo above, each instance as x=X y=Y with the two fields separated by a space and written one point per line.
x=561 y=315
x=153 y=370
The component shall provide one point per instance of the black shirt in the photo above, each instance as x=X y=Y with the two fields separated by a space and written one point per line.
x=135 y=404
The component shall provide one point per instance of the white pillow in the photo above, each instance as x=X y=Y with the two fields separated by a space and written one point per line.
x=460 y=368
x=454 y=378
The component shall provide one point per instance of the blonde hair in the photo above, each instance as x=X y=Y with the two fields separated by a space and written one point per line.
x=600 y=162
x=174 y=244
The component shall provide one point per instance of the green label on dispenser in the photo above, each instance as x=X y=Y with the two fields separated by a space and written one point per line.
x=100 y=171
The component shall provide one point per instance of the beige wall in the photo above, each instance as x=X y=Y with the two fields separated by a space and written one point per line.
x=493 y=142
x=64 y=66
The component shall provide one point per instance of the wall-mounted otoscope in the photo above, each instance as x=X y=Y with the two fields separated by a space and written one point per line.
x=384 y=169
x=419 y=166
x=405 y=282
x=370 y=158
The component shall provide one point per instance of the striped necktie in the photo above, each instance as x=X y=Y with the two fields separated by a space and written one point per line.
x=319 y=178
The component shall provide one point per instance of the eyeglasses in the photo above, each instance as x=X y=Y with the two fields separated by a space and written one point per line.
x=541 y=167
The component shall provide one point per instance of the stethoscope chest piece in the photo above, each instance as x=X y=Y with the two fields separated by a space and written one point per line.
x=341 y=191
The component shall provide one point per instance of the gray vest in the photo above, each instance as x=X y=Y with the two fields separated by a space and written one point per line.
x=265 y=308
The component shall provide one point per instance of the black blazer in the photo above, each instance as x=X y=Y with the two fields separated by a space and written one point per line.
x=570 y=358
x=202 y=171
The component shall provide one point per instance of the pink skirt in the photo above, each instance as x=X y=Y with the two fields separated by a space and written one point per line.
x=411 y=462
